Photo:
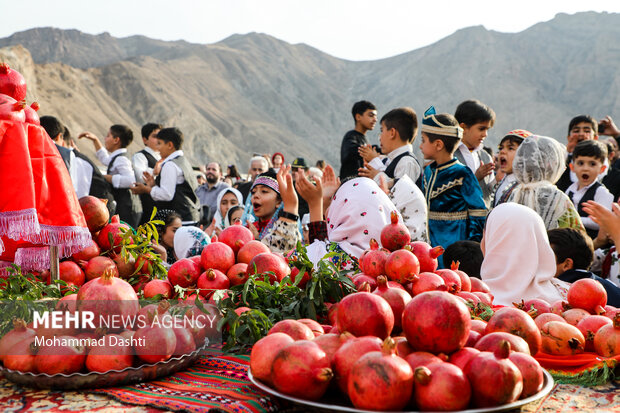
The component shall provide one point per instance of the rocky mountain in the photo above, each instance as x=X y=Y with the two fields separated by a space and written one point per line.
x=255 y=93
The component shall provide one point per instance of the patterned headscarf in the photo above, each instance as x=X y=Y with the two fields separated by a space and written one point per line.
x=220 y=221
x=189 y=241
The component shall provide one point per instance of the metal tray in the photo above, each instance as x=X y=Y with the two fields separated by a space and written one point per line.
x=341 y=404
x=93 y=380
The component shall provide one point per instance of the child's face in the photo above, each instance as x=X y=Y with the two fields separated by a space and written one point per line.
x=228 y=200
x=474 y=135
x=152 y=141
x=236 y=216
x=587 y=169
x=277 y=161
x=264 y=201
x=507 y=151
x=165 y=148
x=428 y=149
x=111 y=143
x=582 y=132
x=386 y=139
x=167 y=239
x=368 y=119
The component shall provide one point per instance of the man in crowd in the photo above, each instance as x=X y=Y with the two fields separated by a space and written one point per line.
x=207 y=193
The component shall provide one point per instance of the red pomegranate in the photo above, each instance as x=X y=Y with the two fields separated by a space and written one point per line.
x=144 y=263
x=427 y=256
x=437 y=322
x=161 y=288
x=532 y=373
x=485 y=298
x=395 y=235
x=452 y=280
x=558 y=307
x=113 y=231
x=210 y=281
x=316 y=328
x=126 y=265
x=31 y=113
x=422 y=358
x=67 y=303
x=478 y=325
x=302 y=370
x=402 y=266
x=330 y=343
x=95 y=212
x=112 y=355
x=236 y=236
x=492 y=341
x=153 y=343
x=21 y=357
x=218 y=256
x=395 y=297
x=607 y=339
x=82 y=257
x=441 y=387
x=536 y=304
x=12 y=83
x=588 y=294
x=611 y=311
x=463 y=356
x=562 y=339
x=19 y=333
x=63 y=356
x=139 y=284
x=380 y=380
x=465 y=281
x=472 y=338
x=264 y=351
x=362 y=278
x=517 y=322
x=543 y=319
x=251 y=250
x=71 y=273
x=477 y=285
x=96 y=266
x=372 y=261
x=303 y=280
x=269 y=263
x=403 y=349
x=295 y=329
x=427 y=281
x=574 y=315
x=495 y=368
x=184 y=273
x=365 y=314
x=467 y=296
x=238 y=274
x=11 y=109
x=185 y=341
x=348 y=354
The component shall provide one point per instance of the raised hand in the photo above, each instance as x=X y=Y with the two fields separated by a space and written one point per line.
x=609 y=221
x=484 y=170
x=330 y=183
x=367 y=171
x=313 y=194
x=367 y=152
x=287 y=191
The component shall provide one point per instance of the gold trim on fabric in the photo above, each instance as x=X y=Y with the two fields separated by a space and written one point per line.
x=447 y=216
x=447 y=186
x=478 y=212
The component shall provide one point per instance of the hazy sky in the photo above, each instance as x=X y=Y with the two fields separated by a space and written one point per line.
x=356 y=30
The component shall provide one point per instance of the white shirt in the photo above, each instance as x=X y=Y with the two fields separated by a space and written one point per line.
x=602 y=196
x=121 y=171
x=170 y=176
x=406 y=166
x=472 y=160
x=503 y=185
x=141 y=164
x=83 y=177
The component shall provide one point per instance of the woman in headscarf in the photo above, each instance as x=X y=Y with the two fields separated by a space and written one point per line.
x=172 y=222
x=537 y=165
x=189 y=242
x=519 y=263
x=226 y=199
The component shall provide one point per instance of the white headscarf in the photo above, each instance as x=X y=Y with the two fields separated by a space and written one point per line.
x=518 y=260
x=538 y=164
x=219 y=219
x=189 y=241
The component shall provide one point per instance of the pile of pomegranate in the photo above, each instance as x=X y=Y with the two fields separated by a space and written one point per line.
x=13 y=97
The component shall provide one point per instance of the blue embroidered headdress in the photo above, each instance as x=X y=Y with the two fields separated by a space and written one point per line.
x=430 y=124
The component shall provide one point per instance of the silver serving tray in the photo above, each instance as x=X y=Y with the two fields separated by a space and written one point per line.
x=93 y=380
x=341 y=404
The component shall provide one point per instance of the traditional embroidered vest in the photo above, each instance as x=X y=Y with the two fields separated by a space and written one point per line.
x=185 y=201
x=588 y=196
x=389 y=170
x=145 y=199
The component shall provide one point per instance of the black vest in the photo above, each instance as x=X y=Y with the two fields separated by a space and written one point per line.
x=65 y=154
x=145 y=199
x=99 y=187
x=185 y=202
x=588 y=196
x=389 y=170
x=128 y=205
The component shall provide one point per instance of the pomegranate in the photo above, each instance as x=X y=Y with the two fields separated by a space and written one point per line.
x=112 y=355
x=477 y=285
x=472 y=338
x=12 y=83
x=427 y=256
x=485 y=298
x=71 y=273
x=478 y=325
x=492 y=341
x=607 y=339
x=126 y=265
x=558 y=307
x=330 y=343
x=403 y=349
x=82 y=257
x=395 y=235
x=588 y=294
x=238 y=274
x=427 y=281
x=302 y=370
x=96 y=266
x=63 y=356
x=543 y=319
x=316 y=328
x=396 y=298
x=365 y=314
x=421 y=358
x=473 y=298
x=161 y=288
x=183 y=273
x=185 y=341
x=349 y=353
x=110 y=236
x=20 y=332
x=303 y=280
x=139 y=284
x=402 y=266
x=11 y=109
x=496 y=368
x=531 y=372
x=611 y=311
x=380 y=380
x=517 y=322
x=561 y=339
x=539 y=306
x=251 y=250
x=452 y=280
x=437 y=322
x=31 y=114
x=361 y=278
x=465 y=281
x=67 y=303
x=236 y=236
x=211 y=281
x=574 y=315
x=441 y=387
x=21 y=357
x=144 y=264
x=372 y=261
x=295 y=329
x=90 y=338
x=95 y=212
x=269 y=263
x=264 y=351
x=218 y=256
x=154 y=343
x=463 y=356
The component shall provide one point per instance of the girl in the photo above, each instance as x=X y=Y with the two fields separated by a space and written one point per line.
x=226 y=199
x=277 y=160
x=233 y=216
x=172 y=222
x=189 y=242
x=518 y=260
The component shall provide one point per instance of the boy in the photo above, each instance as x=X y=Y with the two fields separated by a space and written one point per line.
x=468 y=254
x=120 y=173
x=398 y=130
x=175 y=186
x=145 y=161
x=507 y=149
x=456 y=209
x=476 y=119
x=587 y=164
x=580 y=128
x=365 y=116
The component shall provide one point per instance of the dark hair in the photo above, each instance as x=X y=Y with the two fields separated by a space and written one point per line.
x=219 y=167
x=473 y=111
x=591 y=148
x=517 y=140
x=359 y=108
x=123 y=133
x=52 y=126
x=573 y=244
x=233 y=171
x=469 y=255
x=149 y=128
x=231 y=210
x=404 y=120
x=488 y=150
x=167 y=216
x=320 y=164
x=449 y=142
x=173 y=135
x=583 y=118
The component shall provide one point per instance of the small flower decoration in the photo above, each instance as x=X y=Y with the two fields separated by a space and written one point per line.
x=363 y=214
x=345 y=200
x=365 y=232
x=373 y=192
x=356 y=184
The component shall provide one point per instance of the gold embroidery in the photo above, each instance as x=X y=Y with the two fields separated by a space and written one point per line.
x=445 y=187
x=478 y=212
x=447 y=216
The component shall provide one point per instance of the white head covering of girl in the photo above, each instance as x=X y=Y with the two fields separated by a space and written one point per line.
x=220 y=221
x=189 y=241
x=518 y=260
